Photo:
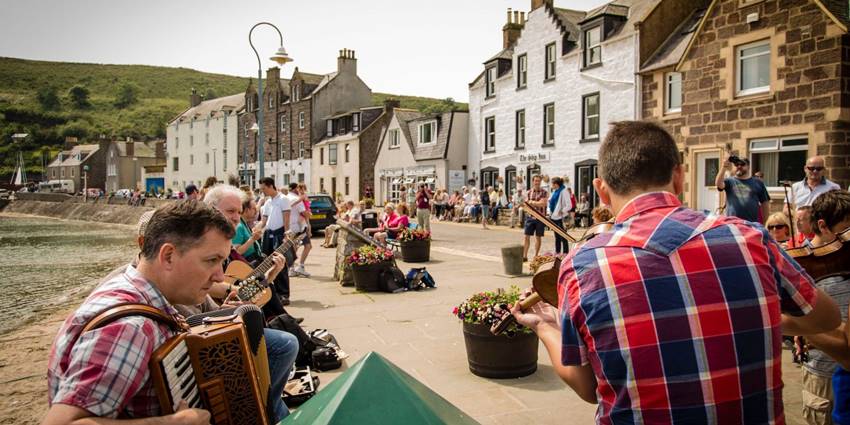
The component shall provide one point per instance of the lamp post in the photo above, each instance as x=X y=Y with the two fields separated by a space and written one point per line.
x=254 y=129
x=135 y=172
x=215 y=167
x=281 y=58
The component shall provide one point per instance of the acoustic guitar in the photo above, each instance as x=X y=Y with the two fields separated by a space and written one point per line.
x=252 y=286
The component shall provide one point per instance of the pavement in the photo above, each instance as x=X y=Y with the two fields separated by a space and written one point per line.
x=417 y=331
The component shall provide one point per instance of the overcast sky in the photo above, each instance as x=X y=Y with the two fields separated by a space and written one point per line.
x=428 y=48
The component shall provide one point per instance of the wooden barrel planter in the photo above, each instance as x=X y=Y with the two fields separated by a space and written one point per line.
x=416 y=251
x=499 y=357
x=366 y=276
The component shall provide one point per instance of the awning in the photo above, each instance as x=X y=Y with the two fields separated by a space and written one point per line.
x=397 y=180
x=430 y=180
x=408 y=180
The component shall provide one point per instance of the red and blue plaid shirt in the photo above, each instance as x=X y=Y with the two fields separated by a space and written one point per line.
x=678 y=314
x=105 y=370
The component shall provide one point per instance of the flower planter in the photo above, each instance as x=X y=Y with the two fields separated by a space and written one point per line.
x=416 y=251
x=366 y=276
x=499 y=357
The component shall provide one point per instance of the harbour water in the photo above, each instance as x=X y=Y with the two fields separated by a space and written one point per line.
x=46 y=263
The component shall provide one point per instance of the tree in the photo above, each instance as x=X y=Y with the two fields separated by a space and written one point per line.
x=210 y=94
x=128 y=94
x=79 y=97
x=48 y=98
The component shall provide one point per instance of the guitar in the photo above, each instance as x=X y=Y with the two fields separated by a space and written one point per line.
x=251 y=280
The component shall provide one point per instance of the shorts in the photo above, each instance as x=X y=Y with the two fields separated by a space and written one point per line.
x=534 y=227
x=305 y=240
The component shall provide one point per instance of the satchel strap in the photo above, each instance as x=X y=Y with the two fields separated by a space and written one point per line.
x=119 y=311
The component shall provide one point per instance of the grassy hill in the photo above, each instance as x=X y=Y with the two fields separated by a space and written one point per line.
x=123 y=100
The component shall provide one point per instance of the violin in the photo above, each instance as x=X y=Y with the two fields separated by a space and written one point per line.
x=545 y=280
x=828 y=260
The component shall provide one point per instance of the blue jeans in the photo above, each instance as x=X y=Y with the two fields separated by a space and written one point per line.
x=282 y=347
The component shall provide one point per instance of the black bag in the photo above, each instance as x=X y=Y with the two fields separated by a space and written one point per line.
x=306 y=345
x=300 y=387
x=325 y=358
x=391 y=279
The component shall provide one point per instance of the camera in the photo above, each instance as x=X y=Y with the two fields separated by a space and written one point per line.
x=736 y=160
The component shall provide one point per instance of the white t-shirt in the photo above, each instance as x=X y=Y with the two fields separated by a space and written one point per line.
x=296 y=220
x=273 y=208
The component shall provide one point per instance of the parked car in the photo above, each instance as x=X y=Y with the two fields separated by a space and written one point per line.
x=324 y=212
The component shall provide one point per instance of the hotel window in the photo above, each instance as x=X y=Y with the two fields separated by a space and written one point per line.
x=176 y=143
x=592 y=46
x=283 y=123
x=520 y=129
x=207 y=139
x=330 y=130
x=590 y=114
x=321 y=185
x=175 y=164
x=321 y=156
x=522 y=71
x=62 y=171
x=780 y=159
x=332 y=154
x=673 y=92
x=300 y=120
x=72 y=172
x=394 y=140
x=490 y=134
x=355 y=123
x=550 y=61
x=347 y=181
x=191 y=159
x=490 y=83
x=301 y=149
x=192 y=140
x=192 y=123
x=427 y=133
x=296 y=93
x=347 y=153
x=224 y=158
x=549 y=124
x=208 y=157
x=753 y=68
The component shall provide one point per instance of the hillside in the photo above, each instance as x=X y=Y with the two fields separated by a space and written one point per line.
x=52 y=100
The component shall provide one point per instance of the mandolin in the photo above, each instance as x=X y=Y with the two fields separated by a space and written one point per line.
x=545 y=281
x=251 y=280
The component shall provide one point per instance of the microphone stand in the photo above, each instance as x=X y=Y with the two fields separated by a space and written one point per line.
x=785 y=186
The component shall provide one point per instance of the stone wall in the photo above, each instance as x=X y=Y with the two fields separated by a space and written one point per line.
x=102 y=213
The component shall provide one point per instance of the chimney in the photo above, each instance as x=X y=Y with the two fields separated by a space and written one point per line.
x=346 y=62
x=130 y=147
x=159 y=149
x=70 y=141
x=195 y=98
x=272 y=74
x=512 y=29
x=389 y=104
x=539 y=3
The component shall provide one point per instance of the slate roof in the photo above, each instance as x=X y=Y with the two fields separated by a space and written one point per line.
x=436 y=150
x=839 y=8
x=671 y=51
x=568 y=20
x=213 y=107
x=404 y=116
x=504 y=54
x=69 y=157
x=140 y=149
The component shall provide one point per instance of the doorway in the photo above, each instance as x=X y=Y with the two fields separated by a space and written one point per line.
x=708 y=163
x=585 y=173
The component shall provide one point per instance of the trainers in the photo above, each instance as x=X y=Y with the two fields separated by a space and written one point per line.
x=299 y=268
x=293 y=272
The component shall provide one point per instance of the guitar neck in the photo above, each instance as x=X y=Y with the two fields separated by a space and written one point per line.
x=268 y=263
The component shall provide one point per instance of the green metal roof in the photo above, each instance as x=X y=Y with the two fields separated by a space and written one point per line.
x=375 y=391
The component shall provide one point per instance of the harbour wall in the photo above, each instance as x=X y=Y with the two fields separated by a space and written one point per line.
x=73 y=209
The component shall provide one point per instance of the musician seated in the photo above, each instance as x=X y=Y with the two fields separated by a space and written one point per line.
x=389 y=214
x=104 y=372
x=395 y=225
x=780 y=229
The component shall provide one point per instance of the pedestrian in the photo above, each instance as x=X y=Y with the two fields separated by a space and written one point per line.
x=423 y=207
x=779 y=228
x=410 y=198
x=559 y=206
x=299 y=221
x=485 y=206
x=572 y=212
x=208 y=183
x=537 y=199
x=517 y=198
x=805 y=227
x=805 y=191
x=275 y=213
x=583 y=211
x=746 y=196
x=192 y=192
x=664 y=319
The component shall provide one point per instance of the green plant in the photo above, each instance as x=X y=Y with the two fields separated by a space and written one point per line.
x=407 y=234
x=48 y=98
x=79 y=96
x=368 y=254
x=489 y=307
x=128 y=94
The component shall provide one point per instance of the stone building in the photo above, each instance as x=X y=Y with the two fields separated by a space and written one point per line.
x=125 y=162
x=419 y=149
x=542 y=104
x=343 y=160
x=766 y=80
x=201 y=141
x=82 y=164
x=294 y=112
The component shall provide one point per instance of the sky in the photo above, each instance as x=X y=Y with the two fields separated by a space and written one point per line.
x=431 y=48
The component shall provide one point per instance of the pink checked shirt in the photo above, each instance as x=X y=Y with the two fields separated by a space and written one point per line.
x=105 y=371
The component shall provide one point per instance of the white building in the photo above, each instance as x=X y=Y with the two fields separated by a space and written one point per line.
x=543 y=103
x=201 y=142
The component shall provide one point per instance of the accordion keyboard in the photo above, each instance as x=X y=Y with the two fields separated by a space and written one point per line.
x=180 y=377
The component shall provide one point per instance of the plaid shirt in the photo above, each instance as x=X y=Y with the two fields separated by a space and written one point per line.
x=105 y=371
x=538 y=195
x=678 y=313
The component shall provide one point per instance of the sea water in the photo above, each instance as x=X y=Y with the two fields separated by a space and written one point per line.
x=47 y=264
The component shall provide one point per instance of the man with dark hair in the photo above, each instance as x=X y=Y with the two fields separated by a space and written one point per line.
x=805 y=226
x=559 y=206
x=746 y=196
x=677 y=311
x=104 y=372
x=192 y=192
x=537 y=197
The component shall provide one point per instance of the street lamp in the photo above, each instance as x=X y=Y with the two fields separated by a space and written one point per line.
x=135 y=173
x=215 y=167
x=281 y=57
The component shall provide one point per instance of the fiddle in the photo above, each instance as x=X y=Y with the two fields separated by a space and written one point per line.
x=828 y=260
x=545 y=280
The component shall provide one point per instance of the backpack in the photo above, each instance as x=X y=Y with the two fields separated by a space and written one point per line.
x=391 y=279
x=419 y=278
x=327 y=355
x=306 y=344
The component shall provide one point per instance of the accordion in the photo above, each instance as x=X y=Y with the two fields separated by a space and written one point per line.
x=219 y=365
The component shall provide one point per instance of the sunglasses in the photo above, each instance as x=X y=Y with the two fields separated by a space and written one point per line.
x=776 y=227
x=815 y=168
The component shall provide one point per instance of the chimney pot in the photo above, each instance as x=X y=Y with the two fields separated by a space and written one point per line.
x=509 y=15
x=516 y=17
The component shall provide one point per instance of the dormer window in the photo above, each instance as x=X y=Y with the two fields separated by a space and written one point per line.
x=427 y=132
x=296 y=93
x=355 y=122
x=330 y=128
x=593 y=46
x=341 y=124
x=490 y=81
x=271 y=101
x=550 y=61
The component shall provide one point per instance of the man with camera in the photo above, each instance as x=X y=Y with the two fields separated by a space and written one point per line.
x=746 y=196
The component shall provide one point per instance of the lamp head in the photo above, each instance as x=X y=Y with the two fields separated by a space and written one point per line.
x=255 y=128
x=281 y=57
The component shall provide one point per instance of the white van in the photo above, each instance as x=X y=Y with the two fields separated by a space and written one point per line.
x=57 y=186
